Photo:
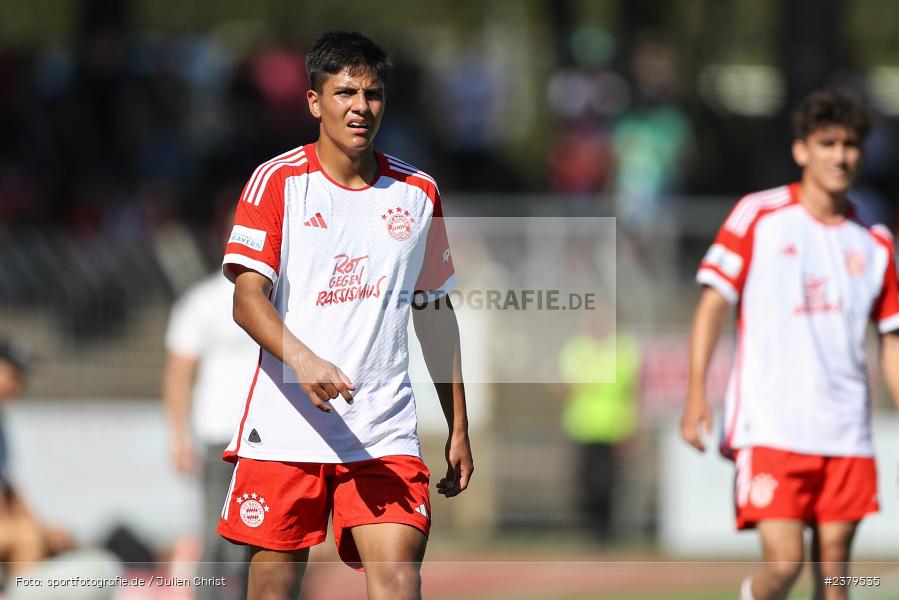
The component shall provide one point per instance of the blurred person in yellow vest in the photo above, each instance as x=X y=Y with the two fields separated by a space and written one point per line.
x=601 y=374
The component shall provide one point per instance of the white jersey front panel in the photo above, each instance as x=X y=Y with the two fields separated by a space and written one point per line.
x=345 y=265
x=806 y=292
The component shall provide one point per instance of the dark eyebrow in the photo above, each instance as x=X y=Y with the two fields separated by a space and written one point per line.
x=346 y=88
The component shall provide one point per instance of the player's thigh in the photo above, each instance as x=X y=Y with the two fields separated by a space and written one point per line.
x=782 y=540
x=389 y=543
x=390 y=491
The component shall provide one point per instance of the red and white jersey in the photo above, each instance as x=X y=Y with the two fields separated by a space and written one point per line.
x=345 y=264
x=805 y=291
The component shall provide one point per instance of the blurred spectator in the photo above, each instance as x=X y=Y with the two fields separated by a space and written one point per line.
x=600 y=370
x=209 y=366
x=583 y=99
x=469 y=119
x=24 y=540
x=650 y=141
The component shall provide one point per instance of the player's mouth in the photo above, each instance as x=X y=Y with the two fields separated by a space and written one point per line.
x=359 y=127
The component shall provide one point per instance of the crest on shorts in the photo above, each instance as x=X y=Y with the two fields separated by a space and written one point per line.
x=399 y=223
x=761 y=491
x=252 y=508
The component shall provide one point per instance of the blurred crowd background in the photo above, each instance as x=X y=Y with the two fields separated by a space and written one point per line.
x=128 y=128
x=135 y=120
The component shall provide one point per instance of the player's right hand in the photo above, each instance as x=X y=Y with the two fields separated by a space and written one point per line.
x=184 y=455
x=696 y=422
x=323 y=381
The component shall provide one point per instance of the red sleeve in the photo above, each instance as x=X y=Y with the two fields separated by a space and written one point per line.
x=255 y=240
x=437 y=269
x=886 y=309
x=726 y=263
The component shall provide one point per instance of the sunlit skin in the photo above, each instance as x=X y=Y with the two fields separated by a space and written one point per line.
x=830 y=158
x=349 y=108
x=10 y=380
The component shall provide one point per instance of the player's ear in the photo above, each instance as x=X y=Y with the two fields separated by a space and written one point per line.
x=312 y=97
x=800 y=152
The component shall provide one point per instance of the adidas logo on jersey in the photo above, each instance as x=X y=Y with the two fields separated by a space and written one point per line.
x=422 y=510
x=317 y=221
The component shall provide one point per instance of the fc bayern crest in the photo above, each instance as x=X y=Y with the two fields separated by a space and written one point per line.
x=399 y=223
x=761 y=493
x=855 y=262
x=252 y=509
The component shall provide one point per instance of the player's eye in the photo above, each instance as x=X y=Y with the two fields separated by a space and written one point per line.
x=374 y=94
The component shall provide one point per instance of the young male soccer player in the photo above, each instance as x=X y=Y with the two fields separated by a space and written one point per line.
x=806 y=276
x=330 y=242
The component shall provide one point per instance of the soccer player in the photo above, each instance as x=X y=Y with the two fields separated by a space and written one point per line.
x=331 y=240
x=806 y=276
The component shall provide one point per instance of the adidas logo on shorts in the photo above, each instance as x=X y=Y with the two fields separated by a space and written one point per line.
x=422 y=510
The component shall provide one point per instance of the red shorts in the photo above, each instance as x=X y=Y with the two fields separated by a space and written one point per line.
x=778 y=484
x=284 y=506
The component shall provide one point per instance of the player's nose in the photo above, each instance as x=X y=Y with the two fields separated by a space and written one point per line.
x=360 y=103
x=840 y=153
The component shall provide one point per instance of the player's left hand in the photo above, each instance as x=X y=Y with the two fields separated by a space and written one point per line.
x=459 y=465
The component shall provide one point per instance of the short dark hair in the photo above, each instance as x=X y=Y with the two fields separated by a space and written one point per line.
x=831 y=106
x=337 y=50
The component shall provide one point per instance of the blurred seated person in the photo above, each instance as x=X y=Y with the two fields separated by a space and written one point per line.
x=23 y=539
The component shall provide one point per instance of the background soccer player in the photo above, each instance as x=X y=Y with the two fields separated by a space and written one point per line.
x=209 y=361
x=806 y=276
x=331 y=241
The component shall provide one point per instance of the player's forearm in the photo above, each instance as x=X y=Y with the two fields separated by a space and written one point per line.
x=177 y=384
x=889 y=364
x=438 y=333
x=707 y=324
x=254 y=312
x=452 y=402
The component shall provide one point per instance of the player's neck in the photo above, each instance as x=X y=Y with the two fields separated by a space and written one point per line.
x=353 y=171
x=823 y=205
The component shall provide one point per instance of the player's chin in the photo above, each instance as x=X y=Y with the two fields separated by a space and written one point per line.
x=358 y=143
x=839 y=184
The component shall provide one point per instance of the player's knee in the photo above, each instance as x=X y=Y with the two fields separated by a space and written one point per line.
x=834 y=560
x=398 y=580
x=273 y=581
x=785 y=571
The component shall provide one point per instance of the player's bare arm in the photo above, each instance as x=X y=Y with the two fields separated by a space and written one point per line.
x=889 y=364
x=177 y=386
x=438 y=332
x=708 y=320
x=321 y=380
